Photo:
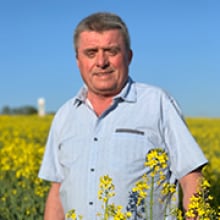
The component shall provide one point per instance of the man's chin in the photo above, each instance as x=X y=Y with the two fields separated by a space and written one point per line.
x=110 y=91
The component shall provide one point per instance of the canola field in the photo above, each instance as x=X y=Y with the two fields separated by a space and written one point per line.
x=22 y=143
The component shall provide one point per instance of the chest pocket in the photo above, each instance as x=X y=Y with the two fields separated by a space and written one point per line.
x=131 y=147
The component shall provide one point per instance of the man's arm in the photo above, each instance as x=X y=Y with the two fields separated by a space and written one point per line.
x=54 y=209
x=190 y=186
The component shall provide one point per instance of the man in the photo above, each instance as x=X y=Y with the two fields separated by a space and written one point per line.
x=110 y=126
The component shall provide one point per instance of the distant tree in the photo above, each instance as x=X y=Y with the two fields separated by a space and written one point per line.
x=28 y=110
x=6 y=110
x=24 y=110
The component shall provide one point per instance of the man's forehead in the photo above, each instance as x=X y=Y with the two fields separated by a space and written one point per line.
x=97 y=39
x=93 y=35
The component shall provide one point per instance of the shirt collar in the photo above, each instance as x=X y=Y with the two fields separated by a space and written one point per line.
x=127 y=94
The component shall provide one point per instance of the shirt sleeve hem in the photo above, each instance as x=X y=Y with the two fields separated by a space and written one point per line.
x=190 y=169
x=49 y=178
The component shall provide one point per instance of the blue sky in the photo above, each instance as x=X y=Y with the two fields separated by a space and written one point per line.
x=176 y=46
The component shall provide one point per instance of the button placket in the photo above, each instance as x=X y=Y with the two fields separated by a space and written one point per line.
x=92 y=178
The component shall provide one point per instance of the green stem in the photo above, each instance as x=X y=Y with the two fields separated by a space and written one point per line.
x=203 y=199
x=145 y=208
x=106 y=210
x=151 y=198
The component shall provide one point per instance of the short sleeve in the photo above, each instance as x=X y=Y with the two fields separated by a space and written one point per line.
x=185 y=154
x=50 y=168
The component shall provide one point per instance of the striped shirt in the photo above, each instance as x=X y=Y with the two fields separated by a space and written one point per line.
x=82 y=147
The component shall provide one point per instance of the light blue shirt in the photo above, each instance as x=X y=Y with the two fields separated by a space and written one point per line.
x=82 y=147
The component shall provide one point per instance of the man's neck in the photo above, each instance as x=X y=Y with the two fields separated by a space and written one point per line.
x=99 y=103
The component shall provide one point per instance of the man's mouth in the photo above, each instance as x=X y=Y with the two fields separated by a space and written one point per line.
x=105 y=73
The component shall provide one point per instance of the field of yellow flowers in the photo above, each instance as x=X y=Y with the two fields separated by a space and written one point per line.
x=22 y=142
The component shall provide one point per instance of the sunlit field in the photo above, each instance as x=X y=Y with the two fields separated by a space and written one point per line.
x=22 y=142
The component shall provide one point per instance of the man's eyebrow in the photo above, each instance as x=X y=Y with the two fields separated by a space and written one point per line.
x=91 y=48
x=107 y=48
x=112 y=47
x=104 y=47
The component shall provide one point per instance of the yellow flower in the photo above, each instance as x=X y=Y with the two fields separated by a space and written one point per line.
x=72 y=215
x=200 y=203
x=141 y=188
x=106 y=188
x=168 y=189
x=116 y=212
x=156 y=159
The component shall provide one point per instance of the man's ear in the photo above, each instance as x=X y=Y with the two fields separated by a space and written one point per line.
x=77 y=61
x=130 y=55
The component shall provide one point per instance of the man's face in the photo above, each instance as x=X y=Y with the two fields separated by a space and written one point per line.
x=103 y=61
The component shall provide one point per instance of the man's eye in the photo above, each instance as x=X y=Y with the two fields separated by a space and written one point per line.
x=90 y=53
x=113 y=52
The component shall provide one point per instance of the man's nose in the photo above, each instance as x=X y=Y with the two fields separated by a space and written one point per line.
x=102 y=60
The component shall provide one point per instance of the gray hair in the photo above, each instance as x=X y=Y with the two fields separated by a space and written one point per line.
x=99 y=22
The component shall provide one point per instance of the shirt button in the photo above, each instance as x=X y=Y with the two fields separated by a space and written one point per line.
x=90 y=203
x=95 y=139
x=92 y=169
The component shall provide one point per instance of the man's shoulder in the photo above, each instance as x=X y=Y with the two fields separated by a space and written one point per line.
x=144 y=88
x=66 y=108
